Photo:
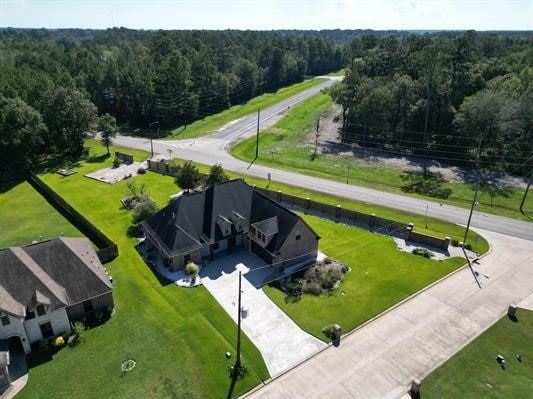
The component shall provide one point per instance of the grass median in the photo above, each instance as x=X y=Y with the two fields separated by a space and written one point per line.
x=283 y=147
x=213 y=122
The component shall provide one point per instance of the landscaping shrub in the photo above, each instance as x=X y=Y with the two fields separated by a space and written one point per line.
x=293 y=286
x=423 y=252
x=141 y=171
x=116 y=162
x=468 y=247
x=192 y=269
x=454 y=242
x=143 y=211
x=328 y=331
x=312 y=287
x=330 y=278
x=58 y=342
x=78 y=329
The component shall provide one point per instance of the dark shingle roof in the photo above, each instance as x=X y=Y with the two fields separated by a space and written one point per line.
x=73 y=264
x=197 y=214
x=58 y=272
x=268 y=226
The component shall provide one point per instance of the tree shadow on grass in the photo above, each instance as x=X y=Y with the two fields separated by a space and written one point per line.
x=97 y=158
x=8 y=185
x=51 y=164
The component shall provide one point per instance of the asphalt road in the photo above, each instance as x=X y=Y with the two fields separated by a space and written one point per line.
x=211 y=149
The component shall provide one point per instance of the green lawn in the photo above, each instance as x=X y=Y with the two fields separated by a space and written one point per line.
x=25 y=216
x=380 y=277
x=216 y=121
x=283 y=146
x=177 y=336
x=435 y=227
x=474 y=372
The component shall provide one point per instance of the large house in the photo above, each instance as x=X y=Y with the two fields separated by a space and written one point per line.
x=229 y=215
x=45 y=286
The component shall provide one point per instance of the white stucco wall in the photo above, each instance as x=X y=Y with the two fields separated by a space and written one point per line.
x=15 y=328
x=58 y=318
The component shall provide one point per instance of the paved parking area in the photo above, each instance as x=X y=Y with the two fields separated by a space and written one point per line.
x=281 y=342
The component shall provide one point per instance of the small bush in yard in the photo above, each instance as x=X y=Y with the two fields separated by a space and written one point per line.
x=468 y=247
x=454 y=242
x=78 y=328
x=58 y=342
x=312 y=287
x=192 y=269
x=293 y=286
x=116 y=162
x=423 y=252
x=330 y=278
x=328 y=331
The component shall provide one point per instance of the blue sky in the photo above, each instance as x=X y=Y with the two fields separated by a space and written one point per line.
x=270 y=14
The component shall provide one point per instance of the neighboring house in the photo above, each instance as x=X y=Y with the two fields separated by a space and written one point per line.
x=225 y=216
x=44 y=286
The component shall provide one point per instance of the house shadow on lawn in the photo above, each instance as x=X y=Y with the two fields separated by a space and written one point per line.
x=150 y=260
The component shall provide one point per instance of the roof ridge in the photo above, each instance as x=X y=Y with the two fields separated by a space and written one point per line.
x=56 y=289
x=102 y=276
x=9 y=302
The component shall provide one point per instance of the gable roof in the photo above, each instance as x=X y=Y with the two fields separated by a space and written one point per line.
x=59 y=272
x=191 y=219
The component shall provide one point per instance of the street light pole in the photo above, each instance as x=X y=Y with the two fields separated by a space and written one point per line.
x=426 y=215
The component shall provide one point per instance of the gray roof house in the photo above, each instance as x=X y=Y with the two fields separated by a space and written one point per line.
x=226 y=216
x=46 y=285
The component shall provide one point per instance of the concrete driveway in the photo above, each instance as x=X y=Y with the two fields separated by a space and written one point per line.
x=281 y=342
x=380 y=359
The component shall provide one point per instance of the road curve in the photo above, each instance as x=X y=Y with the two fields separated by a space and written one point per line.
x=212 y=149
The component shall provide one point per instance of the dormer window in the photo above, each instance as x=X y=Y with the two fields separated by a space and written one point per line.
x=298 y=235
x=40 y=309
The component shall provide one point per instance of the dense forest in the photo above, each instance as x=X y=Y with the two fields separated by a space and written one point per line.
x=54 y=83
x=464 y=99
x=460 y=97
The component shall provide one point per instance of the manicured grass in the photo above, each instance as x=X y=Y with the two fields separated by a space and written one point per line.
x=283 y=147
x=380 y=277
x=177 y=336
x=25 y=216
x=216 y=121
x=435 y=227
x=474 y=372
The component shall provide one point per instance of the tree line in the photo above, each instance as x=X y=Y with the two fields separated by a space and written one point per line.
x=464 y=99
x=55 y=83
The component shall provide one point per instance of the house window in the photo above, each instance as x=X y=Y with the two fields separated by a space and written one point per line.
x=30 y=315
x=5 y=320
x=298 y=235
x=46 y=330
x=41 y=310
x=88 y=306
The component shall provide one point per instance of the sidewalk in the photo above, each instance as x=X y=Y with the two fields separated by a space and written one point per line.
x=380 y=359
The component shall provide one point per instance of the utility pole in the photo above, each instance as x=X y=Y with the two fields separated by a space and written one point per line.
x=317 y=133
x=426 y=215
x=428 y=99
x=237 y=367
x=257 y=135
x=525 y=194
x=151 y=138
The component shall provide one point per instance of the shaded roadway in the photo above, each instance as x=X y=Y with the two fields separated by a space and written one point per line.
x=212 y=149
